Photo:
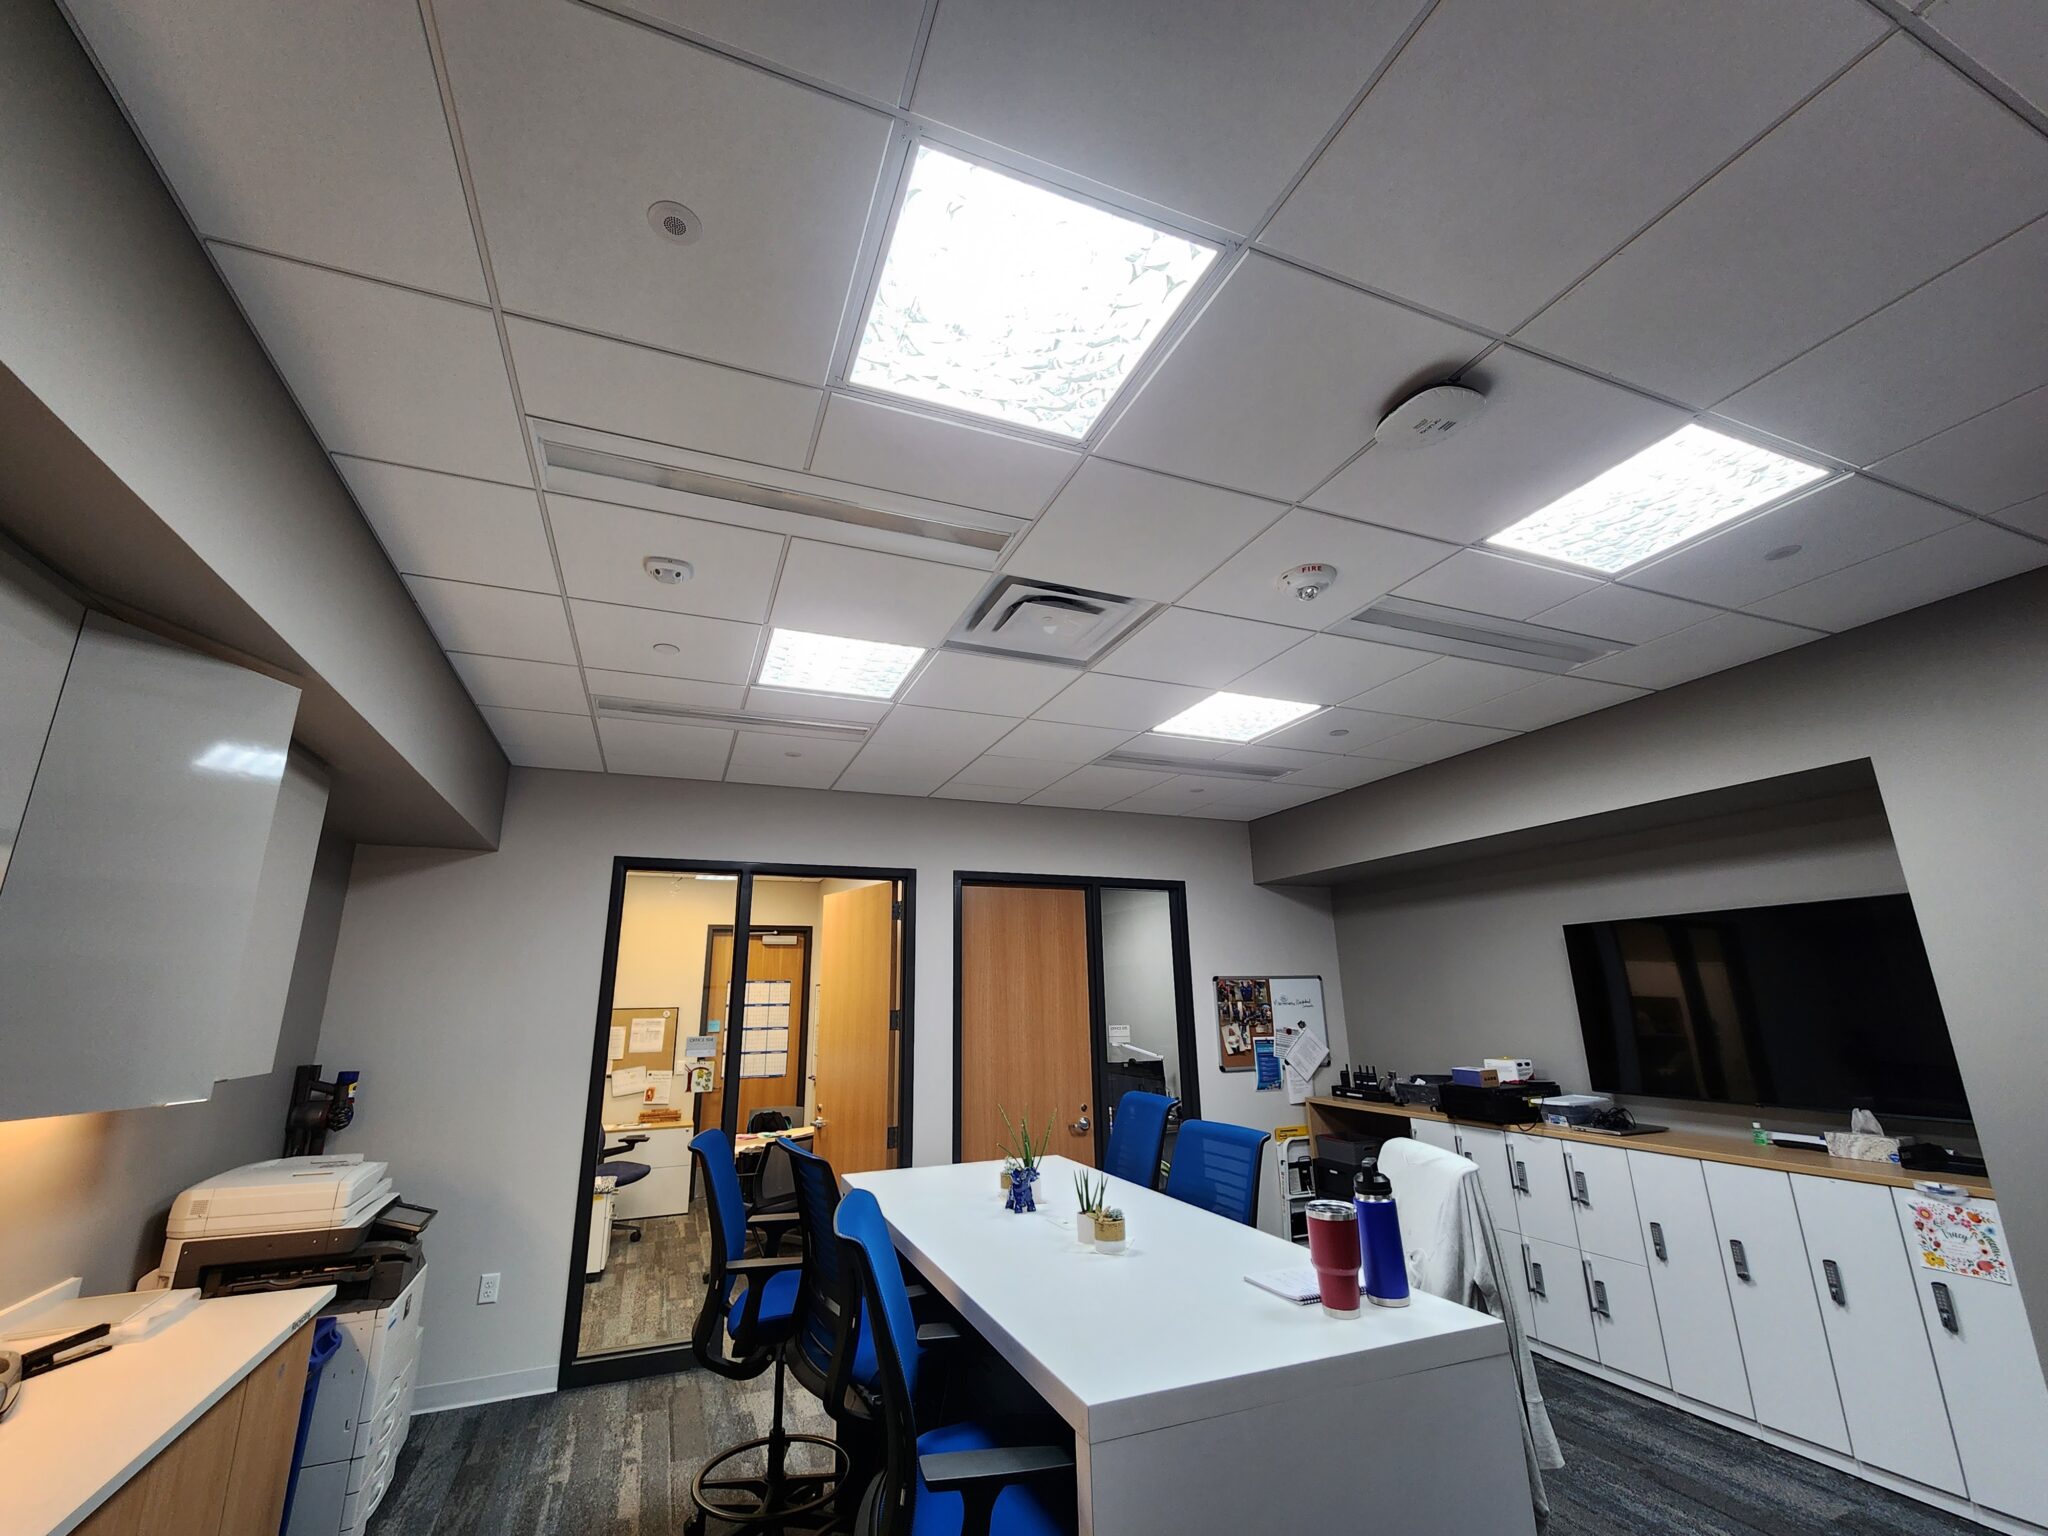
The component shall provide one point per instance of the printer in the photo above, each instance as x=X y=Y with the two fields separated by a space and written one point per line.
x=330 y=1219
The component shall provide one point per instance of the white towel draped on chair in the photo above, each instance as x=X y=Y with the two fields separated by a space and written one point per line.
x=1448 y=1236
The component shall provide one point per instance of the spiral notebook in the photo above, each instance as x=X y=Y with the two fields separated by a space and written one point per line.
x=1296 y=1285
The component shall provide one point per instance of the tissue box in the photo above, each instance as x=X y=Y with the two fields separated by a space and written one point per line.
x=1864 y=1147
x=1476 y=1077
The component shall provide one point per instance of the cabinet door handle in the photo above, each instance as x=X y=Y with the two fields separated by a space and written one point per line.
x=1596 y=1292
x=1575 y=1182
x=1833 y=1271
x=1518 y=1174
x=1945 y=1304
x=1741 y=1258
x=1657 y=1240
x=1458 y=1145
x=1533 y=1270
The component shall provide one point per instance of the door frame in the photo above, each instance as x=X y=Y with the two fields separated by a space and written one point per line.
x=664 y=1359
x=1092 y=887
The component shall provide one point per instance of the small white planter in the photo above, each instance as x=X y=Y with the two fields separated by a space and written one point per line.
x=1084 y=1228
x=1112 y=1244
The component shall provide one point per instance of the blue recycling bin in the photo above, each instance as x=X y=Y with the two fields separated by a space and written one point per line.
x=326 y=1340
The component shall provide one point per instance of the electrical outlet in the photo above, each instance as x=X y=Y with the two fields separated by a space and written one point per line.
x=487 y=1290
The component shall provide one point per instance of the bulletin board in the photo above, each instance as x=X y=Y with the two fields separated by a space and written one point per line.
x=1259 y=1019
x=1244 y=1016
x=641 y=1055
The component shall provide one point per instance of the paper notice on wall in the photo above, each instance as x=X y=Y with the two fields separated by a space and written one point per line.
x=778 y=992
x=647 y=1035
x=774 y=1039
x=701 y=1079
x=629 y=1082
x=1962 y=1240
x=1266 y=1061
x=699 y=1048
x=617 y=1047
x=757 y=992
x=1306 y=1053
x=660 y=1087
x=1119 y=1034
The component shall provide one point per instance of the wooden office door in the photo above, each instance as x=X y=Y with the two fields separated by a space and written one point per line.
x=765 y=962
x=1026 y=1042
x=855 y=1091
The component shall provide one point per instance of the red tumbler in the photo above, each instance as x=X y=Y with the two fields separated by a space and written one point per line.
x=1333 y=1250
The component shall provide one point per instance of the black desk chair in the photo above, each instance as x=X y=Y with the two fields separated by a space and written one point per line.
x=745 y=1326
x=765 y=1177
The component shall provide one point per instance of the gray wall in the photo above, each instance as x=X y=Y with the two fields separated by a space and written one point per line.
x=1949 y=703
x=465 y=989
x=1137 y=973
x=87 y=1194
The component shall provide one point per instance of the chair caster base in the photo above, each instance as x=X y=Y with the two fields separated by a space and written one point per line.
x=795 y=1502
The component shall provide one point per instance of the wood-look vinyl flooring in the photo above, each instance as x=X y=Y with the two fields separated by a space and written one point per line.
x=650 y=1291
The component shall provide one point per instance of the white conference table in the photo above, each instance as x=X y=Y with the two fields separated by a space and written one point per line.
x=1202 y=1404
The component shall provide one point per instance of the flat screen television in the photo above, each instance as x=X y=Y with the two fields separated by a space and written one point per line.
x=1824 y=1005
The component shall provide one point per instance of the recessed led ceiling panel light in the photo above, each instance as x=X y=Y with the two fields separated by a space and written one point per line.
x=1674 y=490
x=832 y=664
x=1234 y=717
x=1005 y=299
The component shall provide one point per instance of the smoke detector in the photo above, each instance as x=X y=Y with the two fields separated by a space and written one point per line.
x=667 y=571
x=1308 y=582
x=1428 y=418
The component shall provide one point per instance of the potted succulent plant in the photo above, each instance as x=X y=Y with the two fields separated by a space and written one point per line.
x=1024 y=1155
x=1110 y=1233
x=1088 y=1197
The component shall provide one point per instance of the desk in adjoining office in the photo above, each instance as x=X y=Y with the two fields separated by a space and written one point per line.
x=1201 y=1404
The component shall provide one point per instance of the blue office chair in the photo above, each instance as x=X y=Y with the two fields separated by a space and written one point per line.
x=958 y=1480
x=741 y=1332
x=1137 y=1134
x=1216 y=1166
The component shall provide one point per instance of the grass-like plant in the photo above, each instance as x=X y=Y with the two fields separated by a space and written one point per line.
x=1021 y=1149
x=1090 y=1193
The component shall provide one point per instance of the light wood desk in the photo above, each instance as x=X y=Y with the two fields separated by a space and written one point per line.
x=1201 y=1404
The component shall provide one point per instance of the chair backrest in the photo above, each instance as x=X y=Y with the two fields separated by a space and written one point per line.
x=871 y=1256
x=1430 y=1187
x=770 y=1120
x=828 y=1303
x=1216 y=1167
x=728 y=1228
x=1137 y=1137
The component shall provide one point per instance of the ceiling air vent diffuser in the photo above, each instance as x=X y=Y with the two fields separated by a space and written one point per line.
x=1044 y=621
x=1478 y=636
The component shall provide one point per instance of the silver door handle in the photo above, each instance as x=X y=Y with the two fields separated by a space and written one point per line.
x=1458 y=1144
x=1945 y=1305
x=1657 y=1240
x=1596 y=1292
x=1833 y=1272
x=1518 y=1174
x=1532 y=1271
x=1082 y=1126
x=1576 y=1182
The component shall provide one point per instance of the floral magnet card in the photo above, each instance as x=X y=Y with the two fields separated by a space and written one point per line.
x=1960 y=1240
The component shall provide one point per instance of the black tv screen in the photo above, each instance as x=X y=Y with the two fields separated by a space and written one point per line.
x=1825 y=1005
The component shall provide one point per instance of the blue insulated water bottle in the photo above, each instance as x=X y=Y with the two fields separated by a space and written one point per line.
x=1379 y=1240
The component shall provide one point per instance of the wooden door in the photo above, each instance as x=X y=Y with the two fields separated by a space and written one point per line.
x=765 y=962
x=857 y=1052
x=1026 y=1043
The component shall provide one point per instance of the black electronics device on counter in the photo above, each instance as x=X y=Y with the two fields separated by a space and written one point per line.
x=1423 y=1088
x=1509 y=1104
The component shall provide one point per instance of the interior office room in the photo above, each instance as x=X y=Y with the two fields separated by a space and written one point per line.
x=936 y=766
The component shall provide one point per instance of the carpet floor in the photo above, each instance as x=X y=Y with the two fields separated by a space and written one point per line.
x=650 y=1291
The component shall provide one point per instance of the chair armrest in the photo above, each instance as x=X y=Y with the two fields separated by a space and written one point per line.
x=937 y=1333
x=772 y=1218
x=915 y=1291
x=960 y=1471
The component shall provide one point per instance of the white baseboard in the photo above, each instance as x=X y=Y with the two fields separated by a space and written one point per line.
x=439 y=1397
x=1906 y=1487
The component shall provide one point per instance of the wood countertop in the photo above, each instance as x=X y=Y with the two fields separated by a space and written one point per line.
x=1708 y=1146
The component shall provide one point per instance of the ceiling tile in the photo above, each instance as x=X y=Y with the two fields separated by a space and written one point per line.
x=1347 y=772
x=1207 y=650
x=990 y=685
x=1202 y=105
x=1480 y=582
x=536 y=739
x=446 y=525
x=996 y=794
x=1547 y=702
x=575 y=121
x=1280 y=379
x=1024 y=774
x=1510 y=147
x=317 y=135
x=1179 y=795
x=619 y=639
x=509 y=684
x=1058 y=743
x=1713 y=645
x=1123 y=703
x=494 y=621
x=1837 y=525
x=683 y=692
x=1259 y=755
x=2028 y=517
x=871 y=444
x=614 y=386
x=1808 y=231
x=1448 y=686
x=913 y=751
x=1973 y=338
x=1972 y=554
x=1262 y=799
x=1437 y=740
x=1225 y=811
x=383 y=372
x=1095 y=789
x=602 y=546
x=1370 y=563
x=1327 y=669
x=1985 y=463
x=801 y=762
x=862 y=594
x=1129 y=531
x=794 y=703
x=1622 y=613
x=1338 y=730
x=1546 y=430
x=664 y=751
x=2007 y=37
x=864 y=48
